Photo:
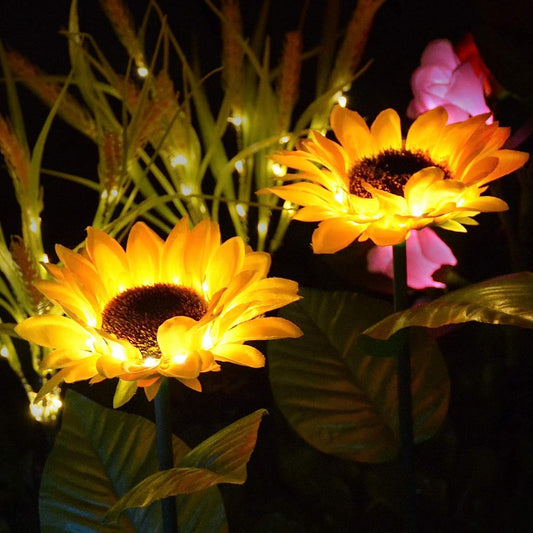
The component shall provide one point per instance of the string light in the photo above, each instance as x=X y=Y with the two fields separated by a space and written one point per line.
x=47 y=409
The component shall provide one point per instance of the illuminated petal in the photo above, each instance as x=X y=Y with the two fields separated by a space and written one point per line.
x=63 y=357
x=335 y=234
x=173 y=254
x=352 y=132
x=54 y=331
x=426 y=130
x=386 y=130
x=240 y=354
x=227 y=261
x=262 y=329
x=143 y=251
x=172 y=336
x=110 y=261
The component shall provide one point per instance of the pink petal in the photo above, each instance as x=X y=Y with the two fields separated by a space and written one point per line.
x=426 y=253
x=440 y=52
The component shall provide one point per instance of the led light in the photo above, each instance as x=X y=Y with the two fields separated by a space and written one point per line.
x=284 y=139
x=48 y=408
x=4 y=352
x=142 y=72
x=150 y=362
x=34 y=224
x=236 y=120
x=179 y=159
x=239 y=165
x=241 y=210
x=186 y=190
x=341 y=99
x=207 y=340
x=279 y=170
x=262 y=228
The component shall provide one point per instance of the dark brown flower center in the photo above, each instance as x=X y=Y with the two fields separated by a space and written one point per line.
x=388 y=171
x=136 y=314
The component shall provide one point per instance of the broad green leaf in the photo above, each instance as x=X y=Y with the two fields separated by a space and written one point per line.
x=340 y=400
x=100 y=454
x=504 y=300
x=221 y=458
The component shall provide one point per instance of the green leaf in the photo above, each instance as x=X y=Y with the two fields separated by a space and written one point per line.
x=341 y=400
x=504 y=300
x=100 y=454
x=221 y=458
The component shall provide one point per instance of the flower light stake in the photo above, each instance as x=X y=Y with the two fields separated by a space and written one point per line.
x=373 y=184
x=155 y=310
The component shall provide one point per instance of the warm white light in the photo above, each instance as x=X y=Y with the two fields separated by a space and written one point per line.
x=47 y=409
x=340 y=195
x=142 y=72
x=180 y=358
x=279 y=170
x=241 y=210
x=150 y=362
x=45 y=259
x=239 y=165
x=207 y=340
x=179 y=159
x=341 y=99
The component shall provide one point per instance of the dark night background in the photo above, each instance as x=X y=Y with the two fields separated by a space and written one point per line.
x=491 y=399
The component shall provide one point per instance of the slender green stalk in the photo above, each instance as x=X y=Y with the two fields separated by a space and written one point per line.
x=164 y=452
x=405 y=409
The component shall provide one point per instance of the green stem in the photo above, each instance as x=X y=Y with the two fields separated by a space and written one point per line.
x=405 y=404
x=164 y=452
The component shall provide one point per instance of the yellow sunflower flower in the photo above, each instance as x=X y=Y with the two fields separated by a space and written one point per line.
x=373 y=184
x=173 y=307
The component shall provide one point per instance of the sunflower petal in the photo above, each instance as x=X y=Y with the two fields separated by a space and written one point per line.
x=335 y=234
x=54 y=331
x=240 y=354
x=386 y=130
x=143 y=251
x=262 y=329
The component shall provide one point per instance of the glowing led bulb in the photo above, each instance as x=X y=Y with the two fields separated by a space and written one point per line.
x=278 y=170
x=4 y=352
x=241 y=210
x=142 y=72
x=179 y=159
x=236 y=120
x=262 y=228
x=186 y=190
x=341 y=99
x=239 y=165
x=284 y=139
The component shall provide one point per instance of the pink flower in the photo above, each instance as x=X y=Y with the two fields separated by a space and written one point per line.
x=443 y=80
x=426 y=253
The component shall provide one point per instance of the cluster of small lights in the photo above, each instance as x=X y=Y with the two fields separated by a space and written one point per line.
x=177 y=160
x=109 y=194
x=47 y=409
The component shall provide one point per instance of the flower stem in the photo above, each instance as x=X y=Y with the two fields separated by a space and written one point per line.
x=405 y=412
x=164 y=451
